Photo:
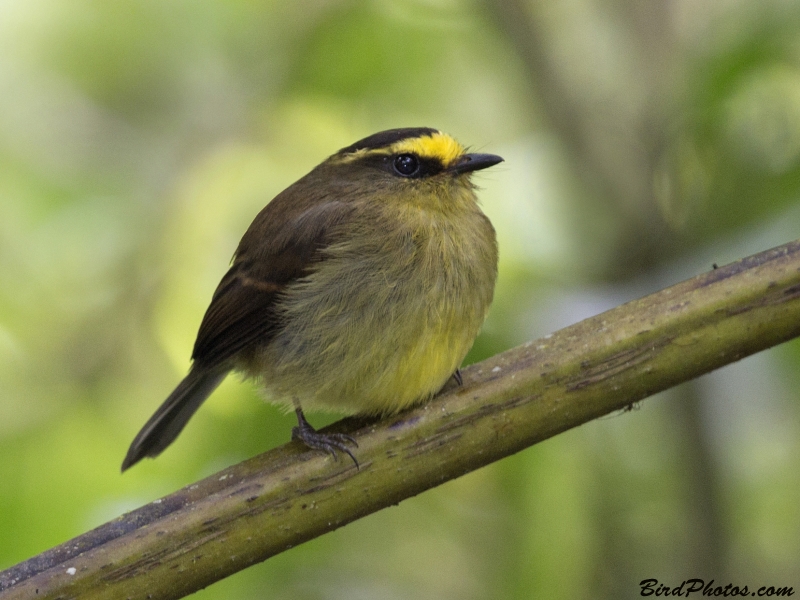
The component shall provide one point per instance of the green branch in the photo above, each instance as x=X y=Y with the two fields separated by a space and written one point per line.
x=275 y=501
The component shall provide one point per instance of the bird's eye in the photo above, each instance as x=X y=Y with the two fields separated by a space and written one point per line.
x=406 y=165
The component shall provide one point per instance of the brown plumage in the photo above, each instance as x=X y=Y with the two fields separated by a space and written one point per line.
x=358 y=288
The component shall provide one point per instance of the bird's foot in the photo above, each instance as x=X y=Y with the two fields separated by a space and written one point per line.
x=457 y=376
x=327 y=442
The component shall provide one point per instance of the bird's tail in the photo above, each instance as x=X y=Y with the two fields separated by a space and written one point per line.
x=171 y=417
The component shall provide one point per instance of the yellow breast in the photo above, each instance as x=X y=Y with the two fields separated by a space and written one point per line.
x=387 y=317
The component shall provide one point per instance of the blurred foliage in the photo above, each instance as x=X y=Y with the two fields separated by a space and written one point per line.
x=643 y=142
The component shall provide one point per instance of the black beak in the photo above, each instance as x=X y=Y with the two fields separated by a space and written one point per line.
x=474 y=162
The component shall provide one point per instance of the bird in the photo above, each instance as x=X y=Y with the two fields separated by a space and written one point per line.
x=358 y=289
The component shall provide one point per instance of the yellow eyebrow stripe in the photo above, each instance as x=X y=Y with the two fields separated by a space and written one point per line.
x=438 y=145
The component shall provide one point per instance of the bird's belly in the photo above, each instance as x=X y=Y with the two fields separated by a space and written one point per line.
x=376 y=329
x=376 y=359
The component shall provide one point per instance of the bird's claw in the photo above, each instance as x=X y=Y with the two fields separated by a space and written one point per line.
x=332 y=443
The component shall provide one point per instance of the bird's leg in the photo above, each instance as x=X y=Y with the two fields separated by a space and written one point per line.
x=327 y=442
x=458 y=378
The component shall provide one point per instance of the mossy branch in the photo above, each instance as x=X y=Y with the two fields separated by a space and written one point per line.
x=263 y=506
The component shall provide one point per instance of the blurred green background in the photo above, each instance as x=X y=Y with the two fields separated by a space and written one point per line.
x=644 y=141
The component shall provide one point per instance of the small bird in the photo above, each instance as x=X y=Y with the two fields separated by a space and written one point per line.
x=358 y=289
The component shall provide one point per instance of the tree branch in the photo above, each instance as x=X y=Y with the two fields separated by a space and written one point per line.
x=268 y=504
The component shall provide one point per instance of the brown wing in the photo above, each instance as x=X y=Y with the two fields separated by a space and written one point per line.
x=276 y=250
